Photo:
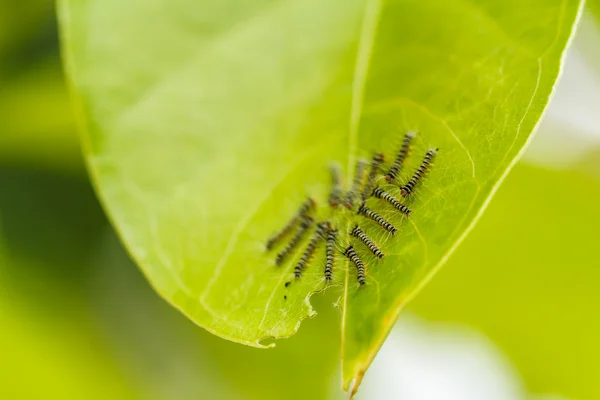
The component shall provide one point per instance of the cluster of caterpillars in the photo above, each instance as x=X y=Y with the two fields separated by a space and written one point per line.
x=363 y=186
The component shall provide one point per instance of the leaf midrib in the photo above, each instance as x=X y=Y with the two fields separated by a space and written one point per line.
x=368 y=32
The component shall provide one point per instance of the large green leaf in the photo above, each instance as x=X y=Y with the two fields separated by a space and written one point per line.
x=206 y=124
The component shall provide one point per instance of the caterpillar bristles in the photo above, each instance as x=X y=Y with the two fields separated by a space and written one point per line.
x=335 y=197
x=360 y=267
x=383 y=195
x=376 y=162
x=306 y=223
x=310 y=249
x=367 y=212
x=307 y=205
x=408 y=188
x=400 y=158
x=359 y=173
x=330 y=252
x=362 y=236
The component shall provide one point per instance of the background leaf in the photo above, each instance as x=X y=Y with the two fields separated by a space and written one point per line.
x=208 y=125
x=35 y=107
x=529 y=282
x=47 y=333
x=594 y=5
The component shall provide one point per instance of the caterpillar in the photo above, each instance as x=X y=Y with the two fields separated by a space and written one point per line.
x=351 y=254
x=360 y=234
x=359 y=172
x=335 y=197
x=375 y=165
x=330 y=252
x=402 y=154
x=383 y=195
x=310 y=249
x=304 y=209
x=408 y=188
x=367 y=212
x=306 y=223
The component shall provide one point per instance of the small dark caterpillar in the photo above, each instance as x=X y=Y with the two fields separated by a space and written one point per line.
x=310 y=249
x=399 y=162
x=383 y=195
x=359 y=173
x=359 y=234
x=375 y=165
x=330 y=251
x=408 y=188
x=351 y=254
x=367 y=212
x=306 y=223
x=302 y=211
x=335 y=197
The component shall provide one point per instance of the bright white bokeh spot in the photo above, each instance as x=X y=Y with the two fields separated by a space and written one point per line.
x=571 y=125
x=423 y=360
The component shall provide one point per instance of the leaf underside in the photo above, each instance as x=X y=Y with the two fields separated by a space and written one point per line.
x=207 y=124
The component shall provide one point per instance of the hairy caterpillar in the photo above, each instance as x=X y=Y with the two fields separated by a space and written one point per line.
x=306 y=223
x=383 y=195
x=399 y=162
x=330 y=252
x=335 y=197
x=367 y=212
x=362 y=236
x=408 y=188
x=308 y=205
x=310 y=249
x=375 y=166
x=359 y=173
x=360 y=267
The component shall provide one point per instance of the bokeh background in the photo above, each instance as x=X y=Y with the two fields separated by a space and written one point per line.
x=513 y=315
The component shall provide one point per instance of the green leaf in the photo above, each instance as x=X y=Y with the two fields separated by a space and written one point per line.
x=48 y=348
x=207 y=125
x=594 y=5
x=530 y=282
x=34 y=107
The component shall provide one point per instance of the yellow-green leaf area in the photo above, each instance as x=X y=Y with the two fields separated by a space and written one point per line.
x=207 y=123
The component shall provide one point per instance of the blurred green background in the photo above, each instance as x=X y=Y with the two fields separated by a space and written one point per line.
x=78 y=320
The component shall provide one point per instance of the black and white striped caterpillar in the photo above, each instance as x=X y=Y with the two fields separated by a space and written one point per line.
x=367 y=212
x=408 y=188
x=399 y=162
x=308 y=205
x=310 y=249
x=360 y=267
x=383 y=195
x=335 y=197
x=362 y=236
x=330 y=252
x=376 y=162
x=307 y=221
x=359 y=173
